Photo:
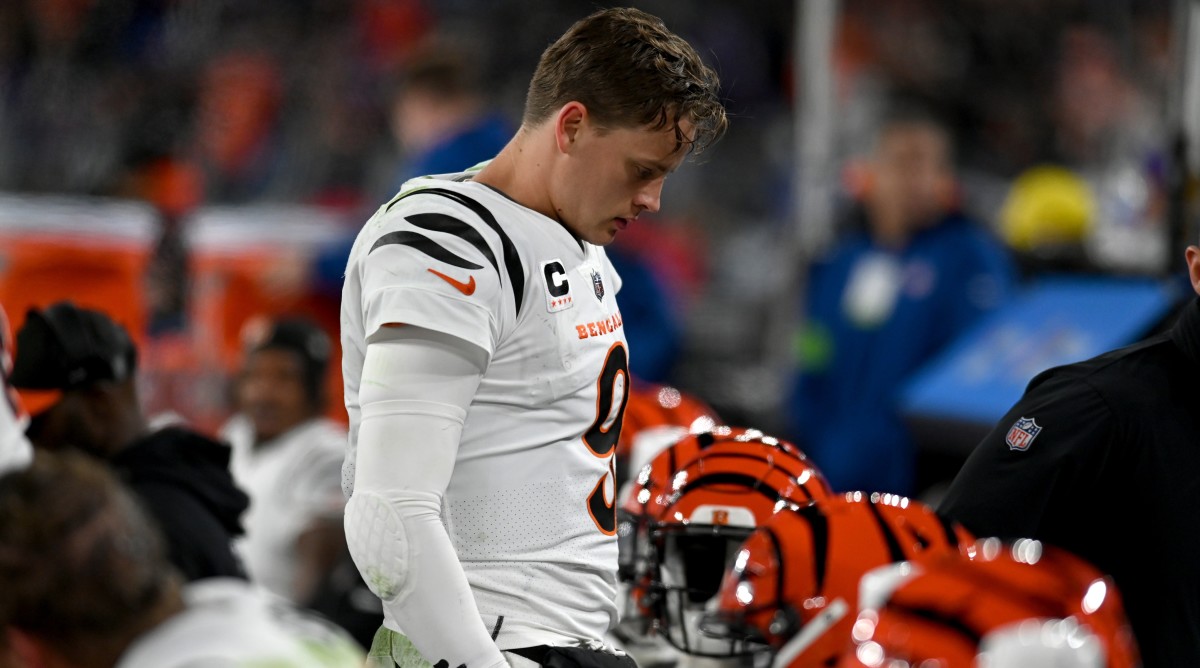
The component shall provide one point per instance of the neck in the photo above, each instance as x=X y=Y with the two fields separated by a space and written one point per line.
x=521 y=170
x=890 y=234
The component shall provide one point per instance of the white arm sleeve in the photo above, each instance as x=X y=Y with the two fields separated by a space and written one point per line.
x=416 y=387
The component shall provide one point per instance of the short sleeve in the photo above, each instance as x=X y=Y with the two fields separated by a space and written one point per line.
x=1044 y=456
x=429 y=264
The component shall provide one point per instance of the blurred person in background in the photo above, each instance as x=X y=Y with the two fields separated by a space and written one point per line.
x=443 y=124
x=238 y=144
x=15 y=449
x=440 y=117
x=87 y=584
x=75 y=371
x=1106 y=129
x=886 y=299
x=288 y=458
x=1125 y=420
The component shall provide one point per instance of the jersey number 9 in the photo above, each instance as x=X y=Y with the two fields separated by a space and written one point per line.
x=612 y=393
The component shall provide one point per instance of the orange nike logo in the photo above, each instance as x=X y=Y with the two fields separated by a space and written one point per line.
x=467 y=288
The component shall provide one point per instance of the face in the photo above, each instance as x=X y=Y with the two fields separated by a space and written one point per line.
x=271 y=392
x=81 y=419
x=912 y=176
x=607 y=177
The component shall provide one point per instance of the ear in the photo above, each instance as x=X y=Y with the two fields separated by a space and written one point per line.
x=568 y=124
x=1193 y=261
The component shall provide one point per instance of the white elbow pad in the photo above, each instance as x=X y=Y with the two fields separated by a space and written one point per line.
x=379 y=545
x=394 y=515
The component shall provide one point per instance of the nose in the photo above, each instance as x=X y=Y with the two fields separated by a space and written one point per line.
x=649 y=197
x=253 y=391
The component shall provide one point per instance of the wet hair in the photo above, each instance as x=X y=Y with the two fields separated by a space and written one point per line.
x=81 y=565
x=630 y=71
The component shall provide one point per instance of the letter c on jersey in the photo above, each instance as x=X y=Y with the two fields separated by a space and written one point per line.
x=558 y=286
x=556 y=279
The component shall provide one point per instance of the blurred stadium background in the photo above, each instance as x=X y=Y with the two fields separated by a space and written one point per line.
x=178 y=163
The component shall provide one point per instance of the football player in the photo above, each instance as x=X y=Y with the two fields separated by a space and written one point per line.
x=15 y=449
x=485 y=364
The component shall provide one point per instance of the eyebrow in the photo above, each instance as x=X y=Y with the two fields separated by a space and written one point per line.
x=660 y=167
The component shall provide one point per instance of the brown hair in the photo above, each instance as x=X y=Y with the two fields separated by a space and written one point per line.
x=629 y=70
x=80 y=564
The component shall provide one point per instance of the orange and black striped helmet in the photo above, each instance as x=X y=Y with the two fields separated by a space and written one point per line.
x=1010 y=604
x=654 y=481
x=657 y=416
x=698 y=516
x=645 y=499
x=793 y=588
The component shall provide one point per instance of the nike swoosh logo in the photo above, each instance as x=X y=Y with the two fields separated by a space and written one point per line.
x=467 y=288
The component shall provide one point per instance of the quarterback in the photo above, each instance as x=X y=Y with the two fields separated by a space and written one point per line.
x=486 y=367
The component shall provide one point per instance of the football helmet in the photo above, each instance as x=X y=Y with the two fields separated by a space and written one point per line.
x=1009 y=605
x=793 y=588
x=696 y=517
x=649 y=491
x=656 y=416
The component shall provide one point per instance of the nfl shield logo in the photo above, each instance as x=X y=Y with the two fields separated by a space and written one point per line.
x=1021 y=434
x=598 y=285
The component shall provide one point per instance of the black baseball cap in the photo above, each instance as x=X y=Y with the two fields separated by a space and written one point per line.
x=63 y=347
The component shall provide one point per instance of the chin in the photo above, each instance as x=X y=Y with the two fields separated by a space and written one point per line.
x=608 y=238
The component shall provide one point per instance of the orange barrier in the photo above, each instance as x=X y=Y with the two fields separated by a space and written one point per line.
x=91 y=251
x=246 y=262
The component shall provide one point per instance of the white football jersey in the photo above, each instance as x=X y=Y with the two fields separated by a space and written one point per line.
x=530 y=505
x=15 y=450
x=293 y=482
x=226 y=622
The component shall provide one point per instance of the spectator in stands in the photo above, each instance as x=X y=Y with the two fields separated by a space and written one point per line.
x=87 y=584
x=439 y=115
x=885 y=301
x=441 y=121
x=288 y=458
x=75 y=372
x=237 y=126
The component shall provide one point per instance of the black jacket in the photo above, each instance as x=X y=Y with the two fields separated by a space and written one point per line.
x=1111 y=473
x=183 y=480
